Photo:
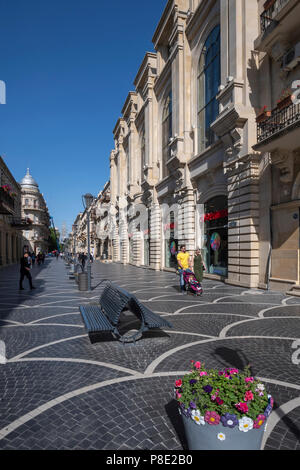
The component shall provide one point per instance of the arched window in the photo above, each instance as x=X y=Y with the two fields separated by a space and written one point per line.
x=166 y=133
x=208 y=80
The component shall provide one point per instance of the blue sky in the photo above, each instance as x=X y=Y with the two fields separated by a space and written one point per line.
x=68 y=66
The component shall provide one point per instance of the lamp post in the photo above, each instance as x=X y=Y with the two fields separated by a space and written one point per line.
x=87 y=201
x=74 y=230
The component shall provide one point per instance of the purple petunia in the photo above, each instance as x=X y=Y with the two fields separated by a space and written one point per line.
x=193 y=405
x=185 y=412
x=193 y=381
x=229 y=421
x=207 y=389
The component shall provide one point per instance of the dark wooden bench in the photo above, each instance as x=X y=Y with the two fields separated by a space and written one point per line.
x=105 y=318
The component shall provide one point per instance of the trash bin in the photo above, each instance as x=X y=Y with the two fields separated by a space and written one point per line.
x=82 y=281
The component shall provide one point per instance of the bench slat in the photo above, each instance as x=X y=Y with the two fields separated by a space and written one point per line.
x=94 y=319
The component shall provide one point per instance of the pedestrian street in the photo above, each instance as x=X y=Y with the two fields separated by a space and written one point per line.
x=59 y=391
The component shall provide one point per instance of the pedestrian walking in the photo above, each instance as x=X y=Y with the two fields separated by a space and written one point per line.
x=184 y=265
x=25 y=271
x=39 y=259
x=83 y=260
x=198 y=265
x=32 y=258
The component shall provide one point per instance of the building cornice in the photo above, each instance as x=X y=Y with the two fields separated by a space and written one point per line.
x=149 y=64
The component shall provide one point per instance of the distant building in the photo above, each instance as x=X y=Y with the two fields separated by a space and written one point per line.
x=34 y=207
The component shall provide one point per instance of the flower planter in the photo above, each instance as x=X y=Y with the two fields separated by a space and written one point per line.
x=263 y=116
x=284 y=103
x=218 y=437
x=222 y=409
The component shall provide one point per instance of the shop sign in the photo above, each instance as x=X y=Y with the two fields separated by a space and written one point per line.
x=169 y=226
x=214 y=215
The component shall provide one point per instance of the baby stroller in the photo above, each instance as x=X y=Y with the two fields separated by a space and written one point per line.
x=191 y=283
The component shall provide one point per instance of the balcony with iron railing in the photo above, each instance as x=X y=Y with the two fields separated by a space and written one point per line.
x=21 y=223
x=279 y=16
x=272 y=9
x=284 y=123
x=7 y=202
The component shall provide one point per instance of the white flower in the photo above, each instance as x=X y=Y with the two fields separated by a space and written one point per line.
x=221 y=436
x=260 y=387
x=196 y=416
x=245 y=424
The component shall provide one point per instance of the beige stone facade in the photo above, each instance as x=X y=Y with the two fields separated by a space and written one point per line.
x=206 y=150
x=11 y=224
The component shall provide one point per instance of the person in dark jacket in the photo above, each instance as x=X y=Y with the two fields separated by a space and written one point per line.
x=25 y=271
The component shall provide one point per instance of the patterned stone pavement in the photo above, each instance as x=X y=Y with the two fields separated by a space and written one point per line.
x=58 y=391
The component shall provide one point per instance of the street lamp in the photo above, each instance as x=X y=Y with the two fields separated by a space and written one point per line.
x=87 y=201
x=74 y=230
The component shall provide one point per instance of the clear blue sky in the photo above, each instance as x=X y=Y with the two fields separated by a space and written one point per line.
x=68 y=66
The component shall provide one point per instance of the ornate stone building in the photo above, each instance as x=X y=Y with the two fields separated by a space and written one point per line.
x=34 y=207
x=206 y=150
x=11 y=224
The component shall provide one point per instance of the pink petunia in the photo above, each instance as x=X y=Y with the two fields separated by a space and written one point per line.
x=234 y=371
x=259 y=421
x=178 y=383
x=249 y=396
x=214 y=396
x=202 y=373
x=249 y=379
x=242 y=407
x=211 y=417
x=178 y=395
x=197 y=365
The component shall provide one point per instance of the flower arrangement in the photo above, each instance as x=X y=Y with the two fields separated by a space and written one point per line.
x=263 y=114
x=8 y=189
x=228 y=397
x=285 y=98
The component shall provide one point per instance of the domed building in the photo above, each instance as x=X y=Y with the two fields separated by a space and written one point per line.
x=34 y=207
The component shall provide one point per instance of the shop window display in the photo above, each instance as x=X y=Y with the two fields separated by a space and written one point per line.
x=215 y=248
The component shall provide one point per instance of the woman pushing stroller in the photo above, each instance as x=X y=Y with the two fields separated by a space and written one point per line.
x=190 y=271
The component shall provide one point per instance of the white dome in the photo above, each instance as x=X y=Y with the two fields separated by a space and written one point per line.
x=28 y=182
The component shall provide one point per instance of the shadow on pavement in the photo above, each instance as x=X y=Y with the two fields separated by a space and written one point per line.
x=233 y=358
x=176 y=421
x=9 y=288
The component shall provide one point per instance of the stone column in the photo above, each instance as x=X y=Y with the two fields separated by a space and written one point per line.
x=243 y=222
x=155 y=237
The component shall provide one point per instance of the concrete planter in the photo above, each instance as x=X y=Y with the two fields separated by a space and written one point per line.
x=205 y=437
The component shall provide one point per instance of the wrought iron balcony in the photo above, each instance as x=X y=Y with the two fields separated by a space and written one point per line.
x=7 y=203
x=281 y=120
x=21 y=224
x=267 y=18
